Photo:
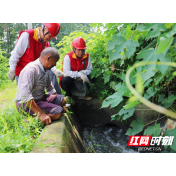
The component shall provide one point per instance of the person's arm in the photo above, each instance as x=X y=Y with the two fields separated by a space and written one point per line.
x=67 y=69
x=43 y=117
x=19 y=50
x=49 y=87
x=17 y=53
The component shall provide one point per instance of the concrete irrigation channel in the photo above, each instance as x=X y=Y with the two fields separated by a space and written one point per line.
x=65 y=135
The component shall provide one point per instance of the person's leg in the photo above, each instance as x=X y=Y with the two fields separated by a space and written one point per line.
x=88 y=86
x=54 y=81
x=23 y=109
x=52 y=105
x=67 y=84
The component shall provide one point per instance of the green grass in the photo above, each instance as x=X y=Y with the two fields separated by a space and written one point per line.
x=16 y=135
x=7 y=95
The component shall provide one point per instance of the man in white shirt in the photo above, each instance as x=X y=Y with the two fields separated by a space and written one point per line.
x=29 y=45
x=33 y=80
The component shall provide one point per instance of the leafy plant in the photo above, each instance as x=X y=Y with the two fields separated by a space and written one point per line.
x=3 y=67
x=115 y=50
x=17 y=134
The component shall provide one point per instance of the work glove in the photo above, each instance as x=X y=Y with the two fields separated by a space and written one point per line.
x=11 y=75
x=84 y=77
x=58 y=73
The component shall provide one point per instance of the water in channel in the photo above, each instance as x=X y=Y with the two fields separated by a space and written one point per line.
x=112 y=138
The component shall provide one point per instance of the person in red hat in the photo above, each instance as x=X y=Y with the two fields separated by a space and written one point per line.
x=29 y=45
x=77 y=66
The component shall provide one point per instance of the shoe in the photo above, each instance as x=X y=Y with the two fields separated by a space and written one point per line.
x=85 y=98
x=67 y=105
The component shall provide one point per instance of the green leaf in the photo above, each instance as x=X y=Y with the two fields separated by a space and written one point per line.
x=115 y=117
x=113 y=85
x=164 y=41
x=131 y=47
x=114 y=100
x=150 y=55
x=149 y=93
x=148 y=82
x=121 y=88
x=156 y=30
x=106 y=78
x=128 y=32
x=132 y=76
x=141 y=27
x=137 y=126
x=116 y=40
x=113 y=55
x=110 y=45
x=173 y=31
x=120 y=44
x=172 y=132
x=149 y=72
x=168 y=101
x=161 y=97
x=155 y=26
x=126 y=113
x=153 y=130
x=168 y=25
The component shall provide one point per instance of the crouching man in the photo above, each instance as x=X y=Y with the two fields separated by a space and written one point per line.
x=33 y=81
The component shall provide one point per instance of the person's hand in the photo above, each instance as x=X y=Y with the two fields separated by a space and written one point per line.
x=58 y=73
x=11 y=75
x=45 y=119
x=84 y=78
x=64 y=109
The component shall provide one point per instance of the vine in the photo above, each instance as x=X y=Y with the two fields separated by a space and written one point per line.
x=140 y=88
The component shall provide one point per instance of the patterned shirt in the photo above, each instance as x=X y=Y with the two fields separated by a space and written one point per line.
x=33 y=80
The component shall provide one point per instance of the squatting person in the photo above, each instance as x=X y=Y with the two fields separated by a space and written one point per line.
x=76 y=66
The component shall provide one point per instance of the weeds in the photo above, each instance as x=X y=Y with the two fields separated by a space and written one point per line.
x=18 y=133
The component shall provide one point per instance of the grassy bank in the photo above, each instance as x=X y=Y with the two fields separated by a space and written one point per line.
x=16 y=135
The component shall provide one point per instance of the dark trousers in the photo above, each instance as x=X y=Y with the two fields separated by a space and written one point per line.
x=67 y=83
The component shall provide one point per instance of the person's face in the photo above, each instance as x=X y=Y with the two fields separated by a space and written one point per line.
x=50 y=62
x=79 y=52
x=47 y=37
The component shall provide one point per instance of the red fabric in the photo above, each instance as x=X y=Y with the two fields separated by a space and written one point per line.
x=32 y=53
x=79 y=43
x=75 y=64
